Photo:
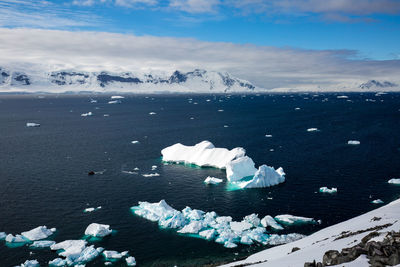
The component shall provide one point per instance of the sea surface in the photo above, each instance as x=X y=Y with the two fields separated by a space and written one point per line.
x=44 y=170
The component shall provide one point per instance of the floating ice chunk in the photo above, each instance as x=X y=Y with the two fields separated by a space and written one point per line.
x=297 y=109
x=193 y=214
x=154 y=211
x=227 y=235
x=201 y=154
x=40 y=232
x=353 y=142
x=268 y=221
x=42 y=244
x=32 y=124
x=391 y=181
x=268 y=135
x=223 y=219
x=239 y=168
x=192 y=228
x=106 y=115
x=30 y=263
x=229 y=244
x=312 y=130
x=291 y=219
x=2 y=235
x=112 y=254
x=71 y=248
x=152 y=113
x=258 y=234
x=117 y=97
x=57 y=262
x=252 y=219
x=208 y=234
x=342 y=97
x=226 y=126
x=264 y=177
x=86 y=114
x=220 y=110
x=212 y=180
x=114 y=102
x=16 y=239
x=154 y=167
x=377 y=201
x=325 y=189
x=93 y=101
x=151 y=174
x=284 y=239
x=240 y=226
x=91 y=209
x=135 y=142
x=130 y=261
x=98 y=230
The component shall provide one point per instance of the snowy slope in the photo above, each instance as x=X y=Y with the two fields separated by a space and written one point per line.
x=314 y=246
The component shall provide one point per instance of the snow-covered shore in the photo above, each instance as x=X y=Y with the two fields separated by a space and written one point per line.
x=343 y=235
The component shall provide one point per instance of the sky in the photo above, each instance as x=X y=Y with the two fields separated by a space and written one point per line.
x=272 y=43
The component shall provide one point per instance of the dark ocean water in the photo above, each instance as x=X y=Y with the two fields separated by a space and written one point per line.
x=44 y=181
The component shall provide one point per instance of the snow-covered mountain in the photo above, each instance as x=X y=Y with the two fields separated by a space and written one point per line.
x=77 y=81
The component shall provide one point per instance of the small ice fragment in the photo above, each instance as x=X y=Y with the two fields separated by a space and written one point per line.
x=136 y=169
x=342 y=97
x=117 y=97
x=112 y=254
x=32 y=124
x=69 y=247
x=135 y=142
x=391 y=181
x=291 y=219
x=325 y=189
x=151 y=174
x=353 y=142
x=93 y=101
x=297 y=109
x=98 y=230
x=208 y=234
x=114 y=102
x=130 y=261
x=220 y=110
x=268 y=135
x=106 y=115
x=86 y=114
x=15 y=239
x=229 y=244
x=154 y=167
x=377 y=201
x=30 y=263
x=191 y=118
x=212 y=180
x=42 y=244
x=89 y=209
x=312 y=129
x=226 y=126
x=192 y=228
x=152 y=113
x=271 y=150
x=268 y=221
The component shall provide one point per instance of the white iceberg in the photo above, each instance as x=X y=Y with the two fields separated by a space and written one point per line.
x=212 y=180
x=57 y=262
x=70 y=248
x=192 y=228
x=268 y=221
x=325 y=189
x=239 y=168
x=154 y=211
x=377 y=201
x=40 y=232
x=42 y=244
x=130 y=261
x=86 y=114
x=117 y=97
x=312 y=130
x=30 y=263
x=353 y=142
x=135 y=142
x=252 y=219
x=291 y=219
x=240 y=226
x=191 y=214
x=394 y=181
x=152 y=113
x=201 y=154
x=98 y=230
x=112 y=254
x=229 y=244
x=208 y=234
x=32 y=124
x=91 y=209
x=265 y=176
x=16 y=239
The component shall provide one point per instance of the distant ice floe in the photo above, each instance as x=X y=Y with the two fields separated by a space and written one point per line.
x=212 y=180
x=98 y=230
x=342 y=97
x=87 y=114
x=29 y=263
x=312 y=130
x=151 y=174
x=210 y=226
x=325 y=189
x=297 y=108
x=288 y=219
x=152 y=113
x=130 y=261
x=32 y=124
x=117 y=97
x=353 y=142
x=240 y=169
x=114 y=102
x=268 y=135
x=135 y=142
x=377 y=201
x=391 y=181
x=75 y=252
x=93 y=101
x=91 y=209
x=10 y=238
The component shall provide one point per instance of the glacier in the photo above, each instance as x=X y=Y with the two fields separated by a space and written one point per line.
x=210 y=226
x=240 y=169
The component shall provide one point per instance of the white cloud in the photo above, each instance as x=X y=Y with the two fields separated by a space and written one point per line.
x=136 y=3
x=196 y=6
x=267 y=67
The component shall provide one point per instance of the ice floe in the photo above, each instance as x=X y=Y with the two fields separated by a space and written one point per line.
x=212 y=180
x=32 y=124
x=353 y=142
x=394 y=181
x=30 y=263
x=312 y=130
x=130 y=261
x=98 y=230
x=114 y=102
x=86 y=114
x=117 y=97
x=42 y=244
x=91 y=209
x=40 y=232
x=2 y=235
x=16 y=239
x=325 y=189
x=135 y=142
x=342 y=97
x=377 y=201
x=112 y=254
x=268 y=135
x=151 y=174
x=57 y=262
x=210 y=226
x=152 y=113
x=287 y=219
x=75 y=252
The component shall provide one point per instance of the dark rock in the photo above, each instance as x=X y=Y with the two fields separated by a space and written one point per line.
x=366 y=238
x=91 y=173
x=295 y=249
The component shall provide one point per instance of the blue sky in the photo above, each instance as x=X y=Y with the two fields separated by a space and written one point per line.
x=317 y=44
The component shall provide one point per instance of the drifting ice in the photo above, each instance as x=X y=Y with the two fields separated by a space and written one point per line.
x=2 y=235
x=86 y=114
x=112 y=254
x=290 y=219
x=32 y=124
x=394 y=181
x=239 y=168
x=353 y=142
x=312 y=129
x=130 y=261
x=98 y=230
x=40 y=232
x=377 y=201
x=30 y=263
x=42 y=244
x=325 y=189
x=268 y=221
x=266 y=176
x=212 y=180
x=16 y=239
x=117 y=97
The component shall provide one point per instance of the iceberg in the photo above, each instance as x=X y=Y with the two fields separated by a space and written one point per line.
x=240 y=226
x=212 y=180
x=75 y=252
x=70 y=248
x=265 y=176
x=30 y=263
x=42 y=244
x=268 y=221
x=112 y=254
x=192 y=228
x=377 y=201
x=130 y=261
x=151 y=174
x=91 y=209
x=40 y=232
x=353 y=142
x=202 y=154
x=135 y=142
x=239 y=168
x=57 y=262
x=252 y=219
x=325 y=189
x=16 y=239
x=32 y=124
x=98 y=230
x=291 y=219
x=391 y=181
x=86 y=114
